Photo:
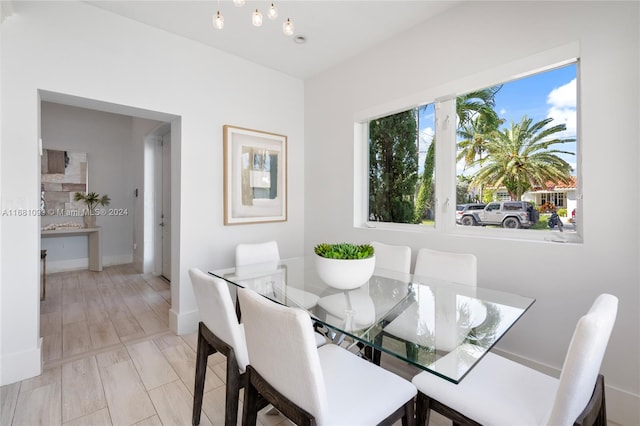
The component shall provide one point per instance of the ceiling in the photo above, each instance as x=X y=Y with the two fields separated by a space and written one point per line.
x=334 y=30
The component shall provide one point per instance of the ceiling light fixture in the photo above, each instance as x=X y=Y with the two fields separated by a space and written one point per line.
x=273 y=12
x=287 y=27
x=256 y=18
x=218 y=21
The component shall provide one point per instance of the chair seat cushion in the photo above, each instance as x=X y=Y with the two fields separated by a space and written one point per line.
x=359 y=392
x=320 y=339
x=301 y=298
x=353 y=309
x=518 y=394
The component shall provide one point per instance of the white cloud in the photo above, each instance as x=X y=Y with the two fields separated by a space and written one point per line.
x=564 y=115
x=563 y=108
x=503 y=112
x=426 y=136
x=563 y=96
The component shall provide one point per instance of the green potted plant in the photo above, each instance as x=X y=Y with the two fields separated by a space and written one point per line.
x=345 y=265
x=91 y=200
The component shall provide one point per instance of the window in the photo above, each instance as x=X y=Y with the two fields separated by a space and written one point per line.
x=514 y=141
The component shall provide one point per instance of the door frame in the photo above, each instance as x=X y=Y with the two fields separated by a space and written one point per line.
x=152 y=248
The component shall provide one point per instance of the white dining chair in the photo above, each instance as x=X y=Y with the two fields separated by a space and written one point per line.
x=392 y=257
x=247 y=254
x=499 y=391
x=267 y=252
x=459 y=268
x=324 y=386
x=389 y=258
x=218 y=331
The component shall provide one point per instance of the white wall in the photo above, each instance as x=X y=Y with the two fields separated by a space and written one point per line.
x=76 y=49
x=111 y=147
x=564 y=279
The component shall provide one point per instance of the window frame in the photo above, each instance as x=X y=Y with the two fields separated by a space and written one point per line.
x=444 y=98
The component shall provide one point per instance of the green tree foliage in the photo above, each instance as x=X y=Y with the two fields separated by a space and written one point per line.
x=522 y=156
x=425 y=191
x=393 y=167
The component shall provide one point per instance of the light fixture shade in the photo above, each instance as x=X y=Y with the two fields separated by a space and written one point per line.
x=238 y=3
x=273 y=12
x=218 y=21
x=256 y=18
x=287 y=27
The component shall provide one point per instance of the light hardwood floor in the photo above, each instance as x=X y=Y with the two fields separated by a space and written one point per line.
x=110 y=359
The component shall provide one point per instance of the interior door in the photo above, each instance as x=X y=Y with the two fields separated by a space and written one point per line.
x=165 y=215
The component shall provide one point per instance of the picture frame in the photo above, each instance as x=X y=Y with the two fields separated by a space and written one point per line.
x=255 y=176
x=62 y=174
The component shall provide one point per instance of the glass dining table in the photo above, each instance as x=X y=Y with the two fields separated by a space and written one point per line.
x=441 y=327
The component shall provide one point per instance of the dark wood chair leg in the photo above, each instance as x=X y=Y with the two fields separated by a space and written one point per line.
x=250 y=405
x=376 y=354
x=409 y=415
x=422 y=410
x=234 y=383
x=204 y=350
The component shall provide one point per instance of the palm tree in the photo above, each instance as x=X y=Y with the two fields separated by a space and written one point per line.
x=472 y=107
x=520 y=158
x=477 y=122
x=478 y=103
x=475 y=137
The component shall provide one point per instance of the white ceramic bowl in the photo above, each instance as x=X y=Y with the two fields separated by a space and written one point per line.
x=345 y=274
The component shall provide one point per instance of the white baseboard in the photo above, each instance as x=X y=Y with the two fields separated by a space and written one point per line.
x=18 y=366
x=184 y=323
x=80 y=264
x=623 y=408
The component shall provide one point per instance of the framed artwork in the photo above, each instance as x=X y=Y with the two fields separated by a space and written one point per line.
x=255 y=176
x=63 y=173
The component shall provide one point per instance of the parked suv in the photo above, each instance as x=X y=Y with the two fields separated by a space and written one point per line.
x=508 y=214
x=461 y=209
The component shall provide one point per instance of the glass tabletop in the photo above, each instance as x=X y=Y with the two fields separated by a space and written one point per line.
x=438 y=326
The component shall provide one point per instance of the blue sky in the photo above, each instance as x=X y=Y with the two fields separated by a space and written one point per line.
x=548 y=94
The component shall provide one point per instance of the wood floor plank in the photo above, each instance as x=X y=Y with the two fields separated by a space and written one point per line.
x=157 y=283
x=109 y=358
x=39 y=400
x=51 y=347
x=126 y=325
x=127 y=399
x=73 y=312
x=103 y=334
x=183 y=360
x=98 y=418
x=136 y=303
x=174 y=404
x=151 y=421
x=8 y=401
x=153 y=367
x=71 y=290
x=213 y=405
x=82 y=391
x=150 y=322
x=50 y=323
x=75 y=338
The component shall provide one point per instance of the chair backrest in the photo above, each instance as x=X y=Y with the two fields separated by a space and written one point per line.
x=246 y=254
x=393 y=258
x=456 y=267
x=583 y=360
x=218 y=313
x=283 y=351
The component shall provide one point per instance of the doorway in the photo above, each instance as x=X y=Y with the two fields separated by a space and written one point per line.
x=165 y=206
x=157 y=190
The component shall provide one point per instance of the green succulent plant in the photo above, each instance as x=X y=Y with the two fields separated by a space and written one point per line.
x=92 y=200
x=344 y=251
